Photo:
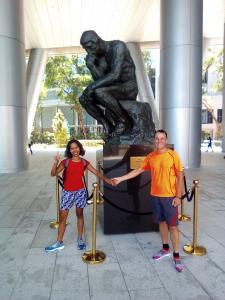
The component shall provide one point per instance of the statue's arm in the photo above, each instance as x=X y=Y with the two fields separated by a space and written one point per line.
x=95 y=66
x=117 y=59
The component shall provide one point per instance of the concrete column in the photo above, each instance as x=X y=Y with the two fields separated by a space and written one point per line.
x=180 y=76
x=35 y=71
x=223 y=106
x=13 y=112
x=144 y=86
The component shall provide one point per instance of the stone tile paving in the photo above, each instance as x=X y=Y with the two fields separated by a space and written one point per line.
x=27 y=205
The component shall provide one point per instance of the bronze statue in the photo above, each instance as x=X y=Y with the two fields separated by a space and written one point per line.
x=113 y=71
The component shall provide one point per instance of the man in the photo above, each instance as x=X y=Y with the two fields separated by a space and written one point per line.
x=113 y=71
x=209 y=143
x=166 y=189
x=29 y=146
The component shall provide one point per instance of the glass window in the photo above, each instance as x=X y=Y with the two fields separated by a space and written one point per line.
x=205 y=77
x=206 y=117
x=219 y=115
x=210 y=119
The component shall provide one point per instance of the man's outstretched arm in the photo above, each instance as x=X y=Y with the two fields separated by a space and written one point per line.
x=129 y=175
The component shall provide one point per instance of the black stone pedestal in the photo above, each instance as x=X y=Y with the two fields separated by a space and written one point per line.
x=132 y=195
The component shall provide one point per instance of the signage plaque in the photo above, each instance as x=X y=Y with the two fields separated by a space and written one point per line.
x=135 y=161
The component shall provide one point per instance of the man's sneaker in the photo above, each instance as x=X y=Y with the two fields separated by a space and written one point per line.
x=81 y=244
x=162 y=253
x=178 y=264
x=54 y=247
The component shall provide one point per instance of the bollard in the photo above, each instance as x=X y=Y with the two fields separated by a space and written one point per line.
x=194 y=249
x=86 y=177
x=89 y=202
x=99 y=198
x=94 y=256
x=55 y=224
x=182 y=217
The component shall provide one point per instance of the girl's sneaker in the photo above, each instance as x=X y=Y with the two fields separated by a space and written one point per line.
x=162 y=253
x=54 y=247
x=178 y=264
x=81 y=244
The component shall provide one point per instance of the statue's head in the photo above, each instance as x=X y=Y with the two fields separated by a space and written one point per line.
x=91 y=42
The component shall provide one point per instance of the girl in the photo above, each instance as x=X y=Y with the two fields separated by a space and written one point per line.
x=74 y=191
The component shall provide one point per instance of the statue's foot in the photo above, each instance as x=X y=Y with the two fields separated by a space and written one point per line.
x=122 y=128
x=108 y=132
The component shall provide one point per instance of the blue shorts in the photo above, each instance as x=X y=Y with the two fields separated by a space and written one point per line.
x=164 y=211
x=69 y=198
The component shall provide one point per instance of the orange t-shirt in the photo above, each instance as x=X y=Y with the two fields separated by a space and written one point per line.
x=164 y=168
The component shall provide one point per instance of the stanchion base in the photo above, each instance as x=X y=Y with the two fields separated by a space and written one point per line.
x=184 y=218
x=55 y=224
x=98 y=258
x=197 y=251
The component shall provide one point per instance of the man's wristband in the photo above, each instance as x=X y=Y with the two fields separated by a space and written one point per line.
x=179 y=197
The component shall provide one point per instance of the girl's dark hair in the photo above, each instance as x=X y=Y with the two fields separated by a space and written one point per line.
x=68 y=153
x=161 y=131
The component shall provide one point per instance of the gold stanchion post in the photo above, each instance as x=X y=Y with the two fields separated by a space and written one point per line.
x=55 y=224
x=99 y=199
x=94 y=256
x=182 y=217
x=194 y=249
x=89 y=202
x=86 y=177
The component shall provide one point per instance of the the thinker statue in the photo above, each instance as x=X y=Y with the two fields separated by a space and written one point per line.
x=113 y=71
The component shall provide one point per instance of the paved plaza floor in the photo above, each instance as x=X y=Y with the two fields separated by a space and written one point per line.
x=27 y=206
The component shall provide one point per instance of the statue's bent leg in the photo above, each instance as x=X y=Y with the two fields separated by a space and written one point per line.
x=105 y=98
x=94 y=111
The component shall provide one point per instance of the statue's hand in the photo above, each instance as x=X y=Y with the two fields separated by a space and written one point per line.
x=88 y=92
x=90 y=59
x=84 y=97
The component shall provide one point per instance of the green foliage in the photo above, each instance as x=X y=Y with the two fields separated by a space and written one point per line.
x=42 y=96
x=215 y=59
x=77 y=134
x=60 y=129
x=148 y=62
x=46 y=137
x=69 y=75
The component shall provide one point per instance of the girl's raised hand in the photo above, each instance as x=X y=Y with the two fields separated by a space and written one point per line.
x=57 y=157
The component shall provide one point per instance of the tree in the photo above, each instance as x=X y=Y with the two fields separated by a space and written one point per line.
x=60 y=129
x=209 y=108
x=148 y=62
x=214 y=60
x=69 y=76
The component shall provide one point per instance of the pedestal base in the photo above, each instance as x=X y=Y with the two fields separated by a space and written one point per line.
x=132 y=195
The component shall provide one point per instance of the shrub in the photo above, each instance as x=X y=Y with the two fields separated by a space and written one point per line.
x=60 y=129
x=38 y=136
